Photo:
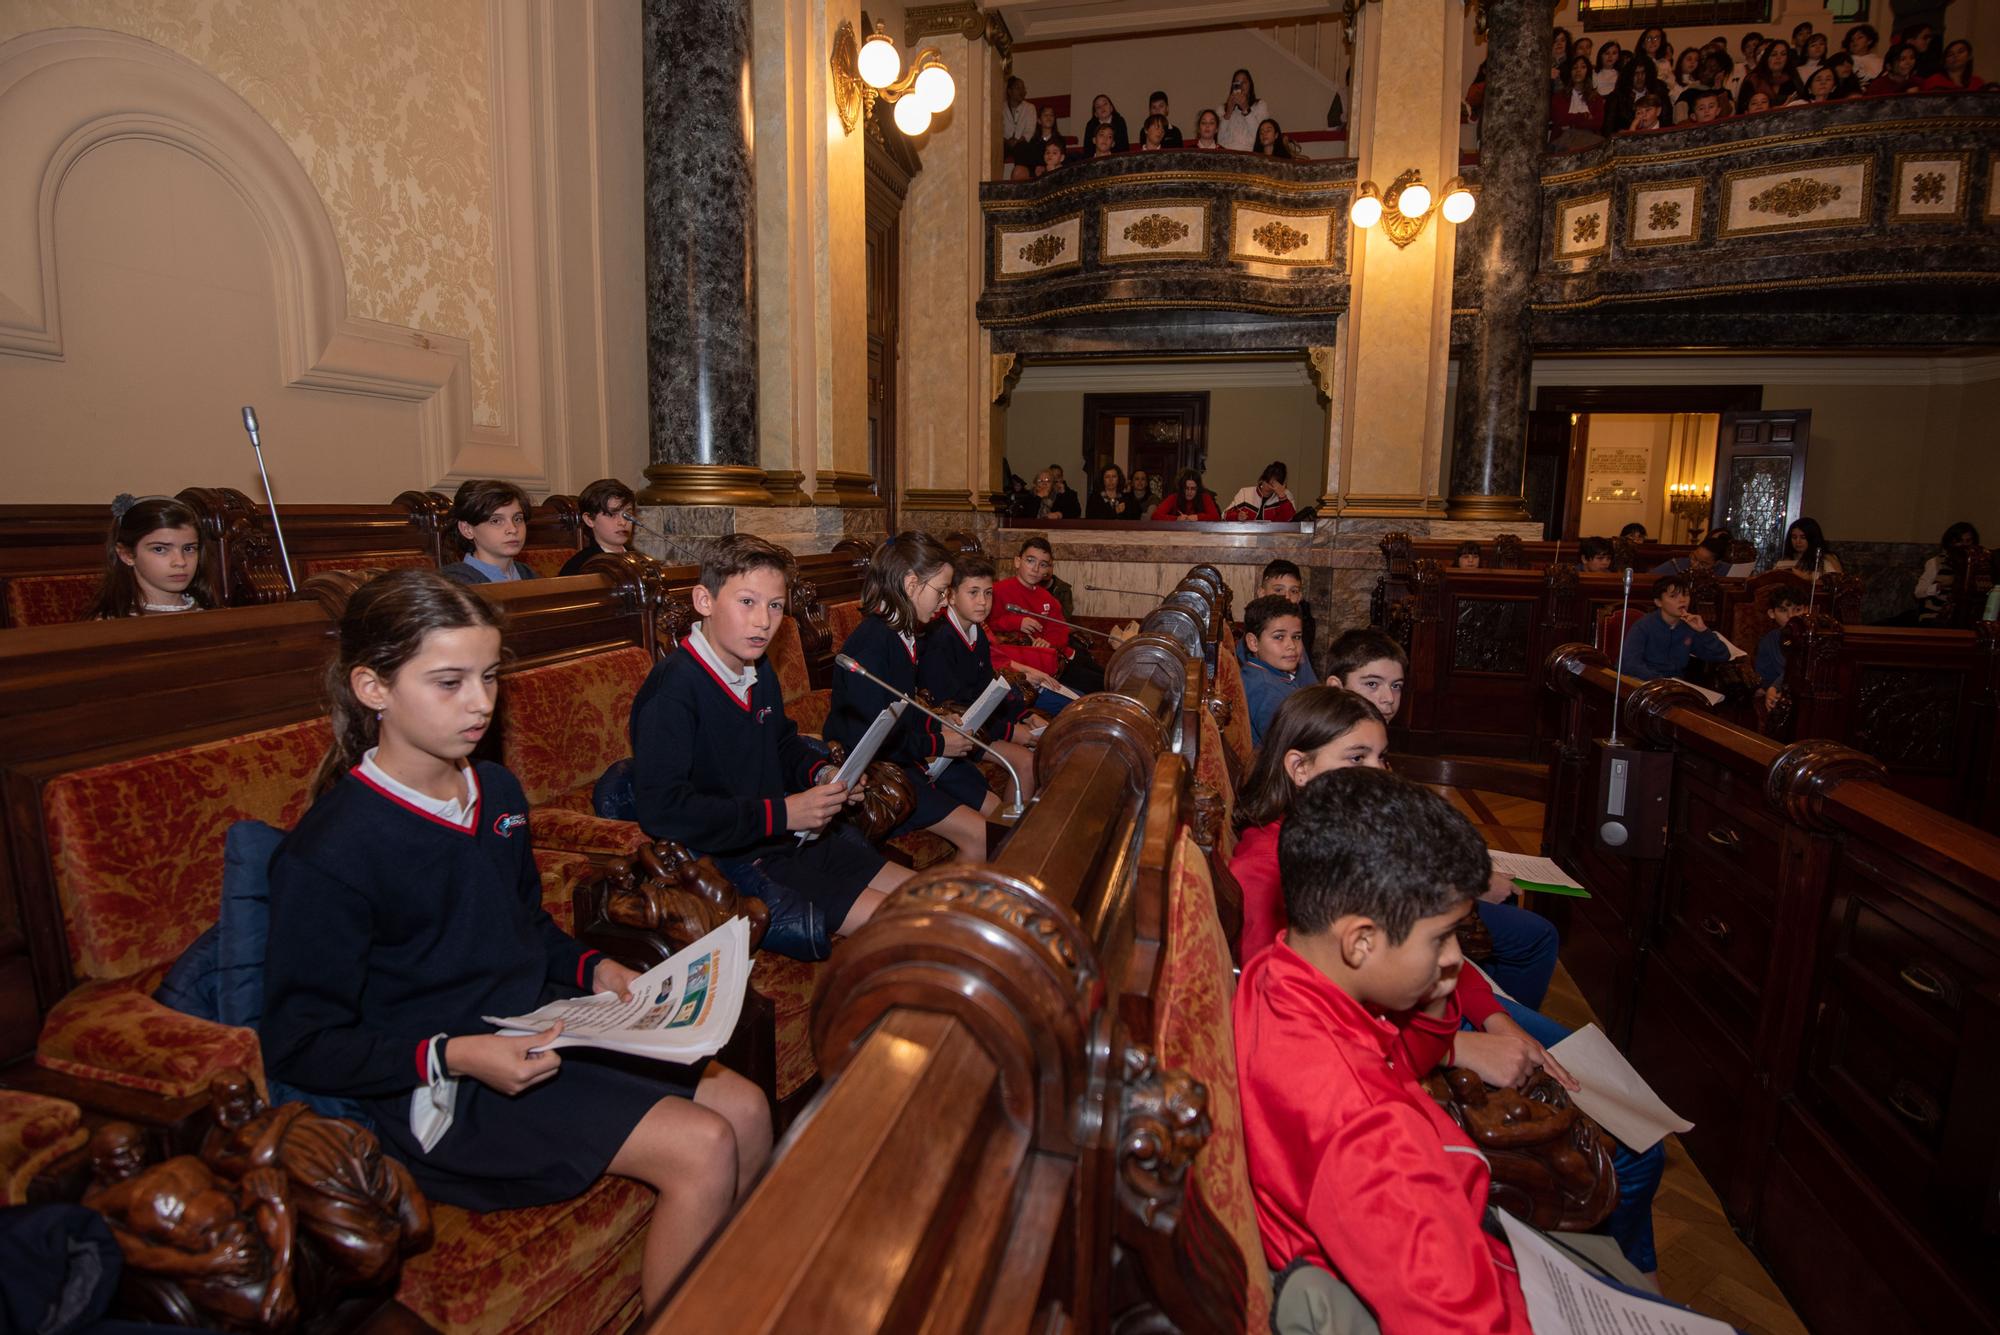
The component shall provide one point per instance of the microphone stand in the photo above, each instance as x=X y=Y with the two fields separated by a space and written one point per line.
x=1134 y=593
x=257 y=446
x=1015 y=810
x=1069 y=625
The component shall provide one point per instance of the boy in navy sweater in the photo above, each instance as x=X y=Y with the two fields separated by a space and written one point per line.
x=1272 y=640
x=1668 y=638
x=1781 y=605
x=717 y=765
x=955 y=665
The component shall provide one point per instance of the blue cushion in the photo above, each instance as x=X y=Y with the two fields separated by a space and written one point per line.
x=220 y=977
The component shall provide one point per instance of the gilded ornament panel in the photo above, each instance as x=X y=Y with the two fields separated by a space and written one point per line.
x=1664 y=213
x=1824 y=192
x=1930 y=187
x=1029 y=252
x=1583 y=227
x=1161 y=229
x=1267 y=234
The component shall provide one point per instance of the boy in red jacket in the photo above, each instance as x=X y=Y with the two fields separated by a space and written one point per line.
x=1353 y=1167
x=1048 y=641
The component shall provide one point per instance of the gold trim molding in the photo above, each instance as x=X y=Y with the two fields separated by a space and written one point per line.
x=938 y=498
x=842 y=489
x=1323 y=367
x=704 y=484
x=787 y=486
x=1488 y=509
x=964 y=18
x=1007 y=370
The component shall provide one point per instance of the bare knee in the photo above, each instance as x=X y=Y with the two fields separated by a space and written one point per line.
x=861 y=911
x=745 y=1108
x=678 y=1144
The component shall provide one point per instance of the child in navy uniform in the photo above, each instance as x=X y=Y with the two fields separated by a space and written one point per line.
x=955 y=664
x=491 y=520
x=717 y=765
x=1667 y=639
x=406 y=905
x=908 y=579
x=1781 y=605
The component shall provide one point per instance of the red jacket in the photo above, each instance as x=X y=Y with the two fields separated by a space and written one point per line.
x=1043 y=604
x=1170 y=507
x=1426 y=1040
x=1562 y=118
x=1354 y=1168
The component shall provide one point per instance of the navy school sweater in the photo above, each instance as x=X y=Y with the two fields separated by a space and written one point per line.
x=389 y=925
x=917 y=738
x=709 y=770
x=956 y=672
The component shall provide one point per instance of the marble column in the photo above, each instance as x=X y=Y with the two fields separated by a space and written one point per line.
x=701 y=322
x=1492 y=412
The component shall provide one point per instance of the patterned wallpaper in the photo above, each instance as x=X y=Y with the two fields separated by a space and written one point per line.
x=385 y=104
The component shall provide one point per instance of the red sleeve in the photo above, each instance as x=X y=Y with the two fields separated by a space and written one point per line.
x=1391 y=1216
x=1165 y=509
x=1000 y=619
x=1475 y=996
x=1280 y=513
x=1425 y=1040
x=1255 y=867
x=1208 y=510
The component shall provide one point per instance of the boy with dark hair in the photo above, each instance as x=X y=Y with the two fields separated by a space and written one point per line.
x=955 y=665
x=1353 y=1167
x=1282 y=578
x=1593 y=556
x=1781 y=605
x=717 y=765
x=1372 y=665
x=1156 y=105
x=491 y=521
x=1664 y=641
x=1271 y=667
x=606 y=506
x=1034 y=635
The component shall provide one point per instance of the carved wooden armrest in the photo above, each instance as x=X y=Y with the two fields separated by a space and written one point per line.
x=1551 y=1164
x=887 y=800
x=1220 y=708
x=663 y=898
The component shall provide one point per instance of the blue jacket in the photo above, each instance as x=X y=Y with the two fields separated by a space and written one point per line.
x=1266 y=688
x=1771 y=657
x=1653 y=649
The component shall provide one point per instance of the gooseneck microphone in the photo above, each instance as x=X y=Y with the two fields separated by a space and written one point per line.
x=1070 y=625
x=257 y=446
x=1618 y=669
x=1015 y=809
x=1134 y=593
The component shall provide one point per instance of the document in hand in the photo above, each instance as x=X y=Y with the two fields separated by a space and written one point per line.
x=862 y=756
x=1617 y=1096
x=975 y=717
x=1533 y=873
x=1565 y=1299
x=681 y=1011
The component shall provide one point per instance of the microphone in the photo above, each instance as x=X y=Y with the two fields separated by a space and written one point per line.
x=1014 y=810
x=1136 y=593
x=1618 y=673
x=277 y=525
x=1070 y=625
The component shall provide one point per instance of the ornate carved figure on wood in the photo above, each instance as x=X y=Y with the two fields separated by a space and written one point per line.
x=1162 y=1124
x=1551 y=1165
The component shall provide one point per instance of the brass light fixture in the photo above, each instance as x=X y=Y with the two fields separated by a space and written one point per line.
x=1407 y=206
x=874 y=71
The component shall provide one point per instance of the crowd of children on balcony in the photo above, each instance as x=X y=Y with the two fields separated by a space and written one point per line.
x=1598 y=89
x=1035 y=145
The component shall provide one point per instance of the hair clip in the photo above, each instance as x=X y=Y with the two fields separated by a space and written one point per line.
x=122 y=502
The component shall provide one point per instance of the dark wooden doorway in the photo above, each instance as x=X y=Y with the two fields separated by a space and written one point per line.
x=891 y=162
x=1760 y=478
x=1164 y=434
x=1550 y=429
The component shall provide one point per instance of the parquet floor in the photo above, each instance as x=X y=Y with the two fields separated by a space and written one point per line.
x=1702 y=1261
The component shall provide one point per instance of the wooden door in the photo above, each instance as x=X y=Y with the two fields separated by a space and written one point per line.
x=1165 y=433
x=890 y=162
x=1545 y=475
x=1760 y=477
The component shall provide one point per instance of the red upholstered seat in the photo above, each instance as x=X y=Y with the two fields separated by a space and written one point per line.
x=35 y=1131
x=321 y=565
x=786 y=655
x=1218 y=1231
x=571 y=1268
x=1611 y=631
x=789 y=984
x=841 y=619
x=50 y=600
x=1236 y=734
x=1211 y=769
x=561 y=726
x=545 y=561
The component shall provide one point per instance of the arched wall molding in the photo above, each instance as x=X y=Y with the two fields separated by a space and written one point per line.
x=67 y=91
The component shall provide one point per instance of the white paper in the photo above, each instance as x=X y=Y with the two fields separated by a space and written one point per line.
x=1713 y=697
x=1522 y=866
x=1740 y=570
x=1614 y=1094
x=862 y=755
x=1734 y=652
x=1564 y=1299
x=975 y=718
x=682 y=1010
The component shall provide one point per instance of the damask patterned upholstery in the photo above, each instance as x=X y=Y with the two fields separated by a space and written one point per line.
x=1192 y=1026
x=1229 y=685
x=789 y=984
x=566 y=1269
x=562 y=725
x=545 y=561
x=1211 y=769
x=786 y=655
x=111 y=1030
x=841 y=619
x=34 y=1133
x=50 y=600
x=321 y=565
x=136 y=845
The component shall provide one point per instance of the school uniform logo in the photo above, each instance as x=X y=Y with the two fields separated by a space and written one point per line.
x=506 y=825
x=763 y=713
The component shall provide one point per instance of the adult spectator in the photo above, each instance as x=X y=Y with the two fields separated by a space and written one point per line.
x=1104 y=115
x=1031 y=154
x=1934 y=586
x=1774 y=73
x=1017 y=117
x=1806 y=549
x=1153 y=134
x=1271 y=141
x=1957 y=75
x=1112 y=499
x=1899 y=72
x=1043 y=501
x=1142 y=492
x=1577 y=107
x=1242 y=112
x=1190 y=500
x=1205 y=127
x=1156 y=105
x=1558 y=60
x=1860 y=42
x=1267 y=499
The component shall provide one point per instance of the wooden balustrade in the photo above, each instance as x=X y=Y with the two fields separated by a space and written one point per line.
x=1812 y=975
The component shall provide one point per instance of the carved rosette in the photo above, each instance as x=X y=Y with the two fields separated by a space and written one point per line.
x=1396 y=553
x=1162 y=1124
x=1796 y=197
x=430 y=514
x=1584 y=230
x=1665 y=216
x=1806 y=773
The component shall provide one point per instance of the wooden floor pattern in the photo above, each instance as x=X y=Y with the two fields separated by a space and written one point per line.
x=1702 y=1262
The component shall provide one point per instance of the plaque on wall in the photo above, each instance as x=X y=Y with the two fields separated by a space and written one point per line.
x=1617 y=474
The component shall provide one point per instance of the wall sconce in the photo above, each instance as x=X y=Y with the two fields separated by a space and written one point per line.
x=875 y=71
x=1407 y=207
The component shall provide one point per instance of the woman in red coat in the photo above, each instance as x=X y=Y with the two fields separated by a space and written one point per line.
x=1190 y=500
x=1577 y=105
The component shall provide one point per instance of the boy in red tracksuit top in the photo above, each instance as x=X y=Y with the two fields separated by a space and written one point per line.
x=1049 y=646
x=1353 y=1167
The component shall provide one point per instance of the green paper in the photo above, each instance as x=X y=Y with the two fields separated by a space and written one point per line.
x=1573 y=891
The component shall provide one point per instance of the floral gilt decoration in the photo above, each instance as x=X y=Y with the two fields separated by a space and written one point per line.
x=1927 y=188
x=1584 y=229
x=1665 y=216
x=1155 y=230
x=1279 y=238
x=1043 y=250
x=1795 y=198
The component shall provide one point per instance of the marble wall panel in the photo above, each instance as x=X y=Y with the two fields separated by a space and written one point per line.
x=1798 y=196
